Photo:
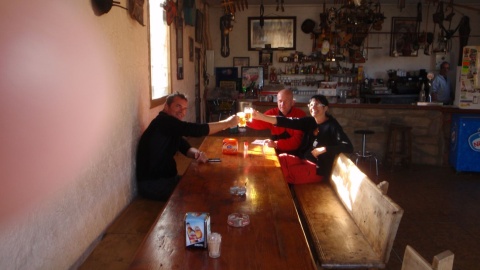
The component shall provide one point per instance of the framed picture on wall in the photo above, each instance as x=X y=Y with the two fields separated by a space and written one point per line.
x=231 y=86
x=241 y=61
x=404 y=38
x=265 y=58
x=252 y=77
x=277 y=32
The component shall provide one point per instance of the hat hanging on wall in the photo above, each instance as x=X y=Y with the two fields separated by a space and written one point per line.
x=307 y=26
x=103 y=6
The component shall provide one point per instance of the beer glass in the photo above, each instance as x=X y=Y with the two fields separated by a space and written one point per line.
x=248 y=114
x=242 y=121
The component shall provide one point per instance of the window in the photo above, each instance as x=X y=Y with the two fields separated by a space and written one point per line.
x=159 y=52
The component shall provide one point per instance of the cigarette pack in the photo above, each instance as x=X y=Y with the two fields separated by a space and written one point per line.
x=197 y=228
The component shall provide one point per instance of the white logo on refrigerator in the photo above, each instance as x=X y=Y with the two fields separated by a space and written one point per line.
x=474 y=141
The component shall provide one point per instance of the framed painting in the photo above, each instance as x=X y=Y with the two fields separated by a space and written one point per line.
x=277 y=33
x=241 y=61
x=265 y=58
x=231 y=86
x=252 y=77
x=404 y=37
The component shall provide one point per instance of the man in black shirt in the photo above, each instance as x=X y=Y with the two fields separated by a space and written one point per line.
x=156 y=170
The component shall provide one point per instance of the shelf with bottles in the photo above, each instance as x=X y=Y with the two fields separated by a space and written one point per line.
x=298 y=57
x=345 y=81
x=294 y=80
x=347 y=85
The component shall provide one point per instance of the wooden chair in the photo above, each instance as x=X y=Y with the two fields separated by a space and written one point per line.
x=414 y=261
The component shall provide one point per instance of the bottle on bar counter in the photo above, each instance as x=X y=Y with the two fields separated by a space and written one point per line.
x=245 y=149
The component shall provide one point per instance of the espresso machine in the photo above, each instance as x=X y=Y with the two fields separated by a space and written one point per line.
x=403 y=83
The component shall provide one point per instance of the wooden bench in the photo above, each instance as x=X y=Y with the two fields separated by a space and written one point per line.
x=414 y=261
x=349 y=221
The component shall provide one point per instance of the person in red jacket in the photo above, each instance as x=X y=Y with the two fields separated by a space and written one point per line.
x=284 y=140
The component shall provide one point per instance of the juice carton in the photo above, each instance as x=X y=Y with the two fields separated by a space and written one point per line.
x=230 y=146
x=197 y=228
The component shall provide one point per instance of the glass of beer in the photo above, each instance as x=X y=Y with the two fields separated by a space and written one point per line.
x=242 y=122
x=248 y=113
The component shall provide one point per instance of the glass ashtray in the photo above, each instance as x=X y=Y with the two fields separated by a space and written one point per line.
x=240 y=191
x=238 y=220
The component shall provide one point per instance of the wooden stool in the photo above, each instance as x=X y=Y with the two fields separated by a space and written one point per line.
x=399 y=144
x=364 y=154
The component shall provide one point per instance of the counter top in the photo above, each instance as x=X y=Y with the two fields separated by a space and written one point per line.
x=443 y=108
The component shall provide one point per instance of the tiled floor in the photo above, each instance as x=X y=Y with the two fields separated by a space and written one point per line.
x=442 y=211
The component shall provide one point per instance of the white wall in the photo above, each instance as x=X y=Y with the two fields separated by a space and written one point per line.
x=62 y=206
x=75 y=100
x=378 y=59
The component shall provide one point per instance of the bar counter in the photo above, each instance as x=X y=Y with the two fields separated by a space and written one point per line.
x=274 y=239
x=430 y=124
x=444 y=108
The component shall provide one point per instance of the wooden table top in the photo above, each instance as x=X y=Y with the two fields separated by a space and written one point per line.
x=274 y=239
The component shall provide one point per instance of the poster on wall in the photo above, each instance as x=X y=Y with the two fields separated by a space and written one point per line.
x=252 y=77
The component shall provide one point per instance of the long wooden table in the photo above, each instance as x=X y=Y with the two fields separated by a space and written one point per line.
x=274 y=239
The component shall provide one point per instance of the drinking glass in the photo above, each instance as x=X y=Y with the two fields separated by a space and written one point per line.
x=214 y=241
x=248 y=113
x=242 y=122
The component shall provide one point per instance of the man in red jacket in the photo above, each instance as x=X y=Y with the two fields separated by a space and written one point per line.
x=284 y=140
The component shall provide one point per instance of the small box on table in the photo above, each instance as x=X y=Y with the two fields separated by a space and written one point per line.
x=197 y=229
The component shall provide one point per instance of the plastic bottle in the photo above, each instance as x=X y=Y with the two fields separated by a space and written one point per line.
x=245 y=149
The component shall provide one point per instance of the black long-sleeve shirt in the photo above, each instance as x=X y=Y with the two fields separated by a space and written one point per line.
x=159 y=143
x=328 y=134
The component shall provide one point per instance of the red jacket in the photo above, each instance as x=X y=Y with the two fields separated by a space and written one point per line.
x=288 y=140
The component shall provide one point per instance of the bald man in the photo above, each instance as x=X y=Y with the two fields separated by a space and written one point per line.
x=284 y=140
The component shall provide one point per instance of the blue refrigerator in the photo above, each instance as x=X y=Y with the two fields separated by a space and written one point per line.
x=465 y=142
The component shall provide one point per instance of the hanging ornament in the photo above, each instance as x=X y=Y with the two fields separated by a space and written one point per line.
x=171 y=9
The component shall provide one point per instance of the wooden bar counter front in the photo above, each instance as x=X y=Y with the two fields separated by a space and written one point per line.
x=274 y=239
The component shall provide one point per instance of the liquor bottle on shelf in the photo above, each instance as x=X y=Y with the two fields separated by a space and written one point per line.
x=422 y=97
x=273 y=75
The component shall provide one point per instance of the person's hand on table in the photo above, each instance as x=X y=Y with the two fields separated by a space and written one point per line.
x=270 y=143
x=318 y=151
x=201 y=156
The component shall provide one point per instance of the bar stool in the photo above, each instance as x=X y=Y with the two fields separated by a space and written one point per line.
x=399 y=136
x=364 y=154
